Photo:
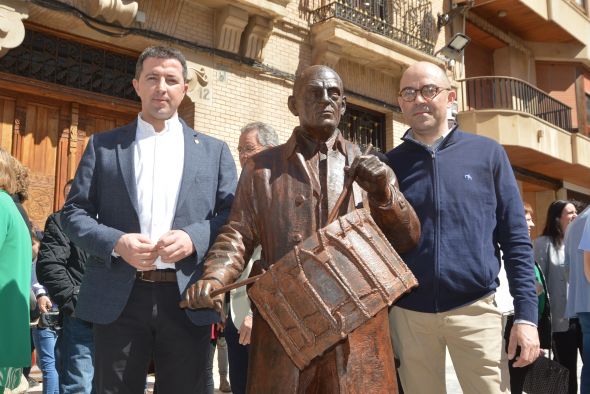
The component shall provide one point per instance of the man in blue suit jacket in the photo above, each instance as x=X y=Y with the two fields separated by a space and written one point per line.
x=147 y=202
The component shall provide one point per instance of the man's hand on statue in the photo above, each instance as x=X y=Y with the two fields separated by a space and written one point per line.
x=374 y=176
x=198 y=296
x=245 y=331
x=137 y=250
x=174 y=245
x=527 y=337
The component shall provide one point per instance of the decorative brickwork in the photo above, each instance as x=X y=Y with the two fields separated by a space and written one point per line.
x=119 y=11
x=230 y=23
x=256 y=35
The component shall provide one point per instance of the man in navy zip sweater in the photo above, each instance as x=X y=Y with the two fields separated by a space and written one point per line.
x=465 y=194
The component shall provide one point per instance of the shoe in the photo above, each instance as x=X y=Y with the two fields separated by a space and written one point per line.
x=224 y=386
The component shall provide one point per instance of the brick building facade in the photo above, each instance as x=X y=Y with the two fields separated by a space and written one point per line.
x=66 y=69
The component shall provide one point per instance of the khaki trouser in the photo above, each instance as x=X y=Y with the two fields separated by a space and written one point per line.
x=473 y=336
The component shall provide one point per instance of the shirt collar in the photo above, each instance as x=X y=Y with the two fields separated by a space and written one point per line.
x=145 y=129
x=436 y=144
x=309 y=147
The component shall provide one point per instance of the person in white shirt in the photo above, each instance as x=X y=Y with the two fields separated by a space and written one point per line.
x=147 y=201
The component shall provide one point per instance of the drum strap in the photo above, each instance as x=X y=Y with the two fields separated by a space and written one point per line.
x=358 y=196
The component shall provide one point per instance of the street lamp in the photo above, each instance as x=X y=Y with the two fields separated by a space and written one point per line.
x=455 y=47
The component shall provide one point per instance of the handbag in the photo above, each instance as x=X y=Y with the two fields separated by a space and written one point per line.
x=546 y=376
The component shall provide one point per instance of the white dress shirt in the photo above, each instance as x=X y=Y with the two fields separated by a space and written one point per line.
x=158 y=164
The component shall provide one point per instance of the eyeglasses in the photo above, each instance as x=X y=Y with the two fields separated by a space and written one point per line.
x=247 y=149
x=429 y=92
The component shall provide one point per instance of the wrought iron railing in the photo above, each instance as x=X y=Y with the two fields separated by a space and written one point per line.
x=363 y=127
x=514 y=94
x=58 y=60
x=409 y=22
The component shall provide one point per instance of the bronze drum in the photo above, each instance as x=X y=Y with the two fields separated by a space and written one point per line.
x=330 y=284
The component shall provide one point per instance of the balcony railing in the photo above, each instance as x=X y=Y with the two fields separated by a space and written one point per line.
x=514 y=94
x=409 y=22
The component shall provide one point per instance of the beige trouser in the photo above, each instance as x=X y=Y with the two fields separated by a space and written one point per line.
x=473 y=335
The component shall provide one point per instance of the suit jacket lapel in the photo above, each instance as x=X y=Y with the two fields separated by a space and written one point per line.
x=125 y=157
x=193 y=151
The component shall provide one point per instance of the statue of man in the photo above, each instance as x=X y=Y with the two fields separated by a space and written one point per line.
x=283 y=197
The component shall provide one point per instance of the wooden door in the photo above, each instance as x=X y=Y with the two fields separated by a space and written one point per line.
x=7 y=106
x=48 y=136
x=35 y=145
x=85 y=121
x=96 y=120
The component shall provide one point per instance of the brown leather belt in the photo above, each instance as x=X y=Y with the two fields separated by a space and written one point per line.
x=167 y=276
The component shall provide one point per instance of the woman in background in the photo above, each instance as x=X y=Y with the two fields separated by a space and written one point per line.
x=518 y=374
x=550 y=255
x=15 y=282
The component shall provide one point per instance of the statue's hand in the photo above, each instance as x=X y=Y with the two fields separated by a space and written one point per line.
x=374 y=176
x=198 y=296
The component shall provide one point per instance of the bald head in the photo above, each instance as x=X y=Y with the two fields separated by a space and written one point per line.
x=315 y=72
x=427 y=116
x=420 y=69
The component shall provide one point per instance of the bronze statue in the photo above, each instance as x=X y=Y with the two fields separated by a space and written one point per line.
x=283 y=198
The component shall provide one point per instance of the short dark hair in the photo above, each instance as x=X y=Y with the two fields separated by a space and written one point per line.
x=160 y=52
x=267 y=136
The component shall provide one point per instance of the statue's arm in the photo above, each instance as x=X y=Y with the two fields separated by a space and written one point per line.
x=237 y=239
x=396 y=219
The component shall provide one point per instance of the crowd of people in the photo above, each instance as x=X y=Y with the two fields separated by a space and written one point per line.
x=120 y=281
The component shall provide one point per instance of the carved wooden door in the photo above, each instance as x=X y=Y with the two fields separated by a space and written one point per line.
x=7 y=105
x=85 y=121
x=96 y=120
x=49 y=136
x=35 y=145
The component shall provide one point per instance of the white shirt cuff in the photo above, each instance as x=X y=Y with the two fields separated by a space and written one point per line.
x=522 y=321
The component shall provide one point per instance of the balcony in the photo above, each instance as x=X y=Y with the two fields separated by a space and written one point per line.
x=515 y=95
x=534 y=128
x=407 y=24
x=552 y=29
x=274 y=9
x=382 y=34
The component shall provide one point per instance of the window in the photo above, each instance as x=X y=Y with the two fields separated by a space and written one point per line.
x=363 y=126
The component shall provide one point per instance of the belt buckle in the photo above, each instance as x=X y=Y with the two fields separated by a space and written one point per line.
x=143 y=278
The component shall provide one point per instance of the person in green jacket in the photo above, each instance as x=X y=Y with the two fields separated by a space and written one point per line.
x=15 y=282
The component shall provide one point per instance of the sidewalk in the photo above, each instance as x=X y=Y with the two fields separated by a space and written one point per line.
x=36 y=374
x=453 y=386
